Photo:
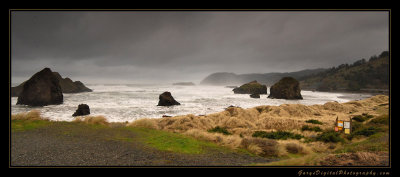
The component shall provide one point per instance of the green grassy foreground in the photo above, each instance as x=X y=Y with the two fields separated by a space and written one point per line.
x=160 y=140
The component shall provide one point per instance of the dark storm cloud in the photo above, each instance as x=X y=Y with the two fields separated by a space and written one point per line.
x=172 y=46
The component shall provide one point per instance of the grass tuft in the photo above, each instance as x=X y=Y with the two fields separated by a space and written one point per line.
x=262 y=147
x=294 y=148
x=144 y=123
x=31 y=115
x=28 y=121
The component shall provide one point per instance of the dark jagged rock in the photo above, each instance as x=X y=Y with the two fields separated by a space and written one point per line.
x=231 y=106
x=166 y=99
x=255 y=95
x=251 y=88
x=67 y=86
x=41 y=89
x=286 y=88
x=16 y=91
x=83 y=109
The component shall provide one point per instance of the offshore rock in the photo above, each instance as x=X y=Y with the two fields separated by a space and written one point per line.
x=41 y=89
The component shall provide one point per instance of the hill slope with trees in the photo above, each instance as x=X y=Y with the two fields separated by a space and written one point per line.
x=361 y=75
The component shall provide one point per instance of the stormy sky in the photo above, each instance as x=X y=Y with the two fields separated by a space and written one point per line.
x=168 y=46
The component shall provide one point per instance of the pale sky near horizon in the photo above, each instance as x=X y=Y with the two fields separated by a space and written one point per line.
x=174 y=46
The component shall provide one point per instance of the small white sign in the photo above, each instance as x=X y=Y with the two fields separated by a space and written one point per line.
x=346 y=124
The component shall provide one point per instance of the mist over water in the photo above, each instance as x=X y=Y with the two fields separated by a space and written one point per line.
x=119 y=103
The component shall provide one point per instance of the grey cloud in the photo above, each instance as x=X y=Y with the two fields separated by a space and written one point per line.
x=152 y=46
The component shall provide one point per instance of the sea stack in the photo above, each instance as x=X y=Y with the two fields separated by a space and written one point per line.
x=83 y=109
x=252 y=87
x=41 y=89
x=166 y=99
x=286 y=88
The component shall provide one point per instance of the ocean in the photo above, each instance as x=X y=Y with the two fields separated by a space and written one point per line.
x=128 y=102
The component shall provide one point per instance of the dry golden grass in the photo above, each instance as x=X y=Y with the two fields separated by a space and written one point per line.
x=318 y=146
x=289 y=146
x=231 y=141
x=242 y=123
x=31 y=115
x=101 y=120
x=286 y=117
x=144 y=123
x=294 y=148
x=261 y=146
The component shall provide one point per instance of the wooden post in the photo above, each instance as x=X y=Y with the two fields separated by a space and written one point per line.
x=351 y=125
x=337 y=117
x=336 y=123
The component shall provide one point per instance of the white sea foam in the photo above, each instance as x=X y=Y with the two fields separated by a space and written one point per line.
x=119 y=103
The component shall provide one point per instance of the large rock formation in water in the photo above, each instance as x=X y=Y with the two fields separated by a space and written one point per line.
x=15 y=91
x=41 y=89
x=252 y=87
x=286 y=88
x=67 y=86
x=166 y=99
x=83 y=109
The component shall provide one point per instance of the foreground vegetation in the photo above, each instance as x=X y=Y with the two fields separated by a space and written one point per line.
x=161 y=140
x=295 y=134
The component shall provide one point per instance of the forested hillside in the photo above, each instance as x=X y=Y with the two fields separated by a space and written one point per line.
x=371 y=74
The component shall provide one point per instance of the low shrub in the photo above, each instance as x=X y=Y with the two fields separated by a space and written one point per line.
x=367 y=131
x=383 y=120
x=308 y=128
x=329 y=136
x=277 y=135
x=355 y=126
x=219 y=129
x=362 y=118
x=313 y=121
